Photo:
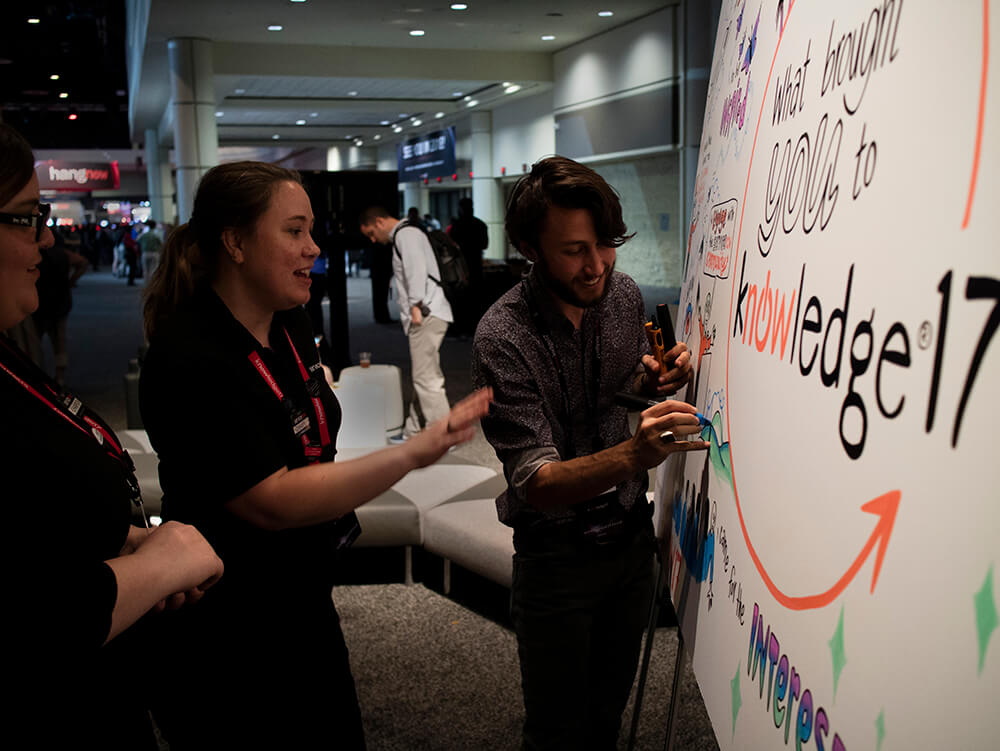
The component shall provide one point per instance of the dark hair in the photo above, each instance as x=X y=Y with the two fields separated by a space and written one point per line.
x=558 y=181
x=369 y=215
x=230 y=196
x=17 y=163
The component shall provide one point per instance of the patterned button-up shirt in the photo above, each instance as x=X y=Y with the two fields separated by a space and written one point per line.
x=554 y=385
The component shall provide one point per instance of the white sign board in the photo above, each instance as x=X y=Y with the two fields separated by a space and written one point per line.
x=835 y=557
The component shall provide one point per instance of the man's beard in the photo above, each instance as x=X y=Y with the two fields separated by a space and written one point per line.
x=564 y=292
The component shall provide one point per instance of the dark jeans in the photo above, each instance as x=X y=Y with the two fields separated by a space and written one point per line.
x=579 y=612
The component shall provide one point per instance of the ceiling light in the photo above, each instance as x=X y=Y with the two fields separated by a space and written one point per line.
x=352 y=93
x=512 y=89
x=456 y=93
x=548 y=38
x=359 y=142
x=239 y=91
x=275 y=27
x=459 y=6
x=63 y=95
x=72 y=116
x=439 y=115
x=605 y=13
x=417 y=123
x=34 y=20
x=416 y=32
x=384 y=122
x=472 y=103
x=467 y=97
x=397 y=129
x=313 y=114
x=300 y=122
x=219 y=114
x=275 y=137
x=298 y=1
x=54 y=77
x=403 y=114
x=377 y=136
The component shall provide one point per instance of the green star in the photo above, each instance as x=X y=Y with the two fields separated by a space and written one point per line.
x=880 y=730
x=986 y=616
x=737 y=698
x=837 y=652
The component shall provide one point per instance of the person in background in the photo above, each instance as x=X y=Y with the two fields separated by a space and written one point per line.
x=556 y=349
x=58 y=273
x=150 y=244
x=424 y=311
x=473 y=238
x=414 y=218
x=82 y=576
x=245 y=426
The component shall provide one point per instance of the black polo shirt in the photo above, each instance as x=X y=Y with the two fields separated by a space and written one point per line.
x=219 y=429
x=67 y=510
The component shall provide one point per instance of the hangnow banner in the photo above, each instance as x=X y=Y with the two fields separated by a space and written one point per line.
x=56 y=174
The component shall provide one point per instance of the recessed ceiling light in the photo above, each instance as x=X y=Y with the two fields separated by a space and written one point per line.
x=313 y=114
x=459 y=6
x=512 y=88
x=34 y=20
x=377 y=136
x=417 y=123
x=416 y=32
x=298 y=1
x=275 y=137
x=275 y=27
x=472 y=103
x=467 y=97
x=605 y=13
x=384 y=122
x=54 y=77
x=63 y=95
x=352 y=93
x=219 y=114
x=397 y=129
x=548 y=38
x=240 y=91
x=403 y=114
x=439 y=115
x=300 y=122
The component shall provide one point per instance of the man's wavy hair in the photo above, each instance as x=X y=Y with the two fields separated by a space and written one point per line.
x=558 y=181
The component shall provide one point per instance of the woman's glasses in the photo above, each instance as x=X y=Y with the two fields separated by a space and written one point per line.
x=30 y=220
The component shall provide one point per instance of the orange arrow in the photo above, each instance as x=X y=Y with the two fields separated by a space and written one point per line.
x=885 y=507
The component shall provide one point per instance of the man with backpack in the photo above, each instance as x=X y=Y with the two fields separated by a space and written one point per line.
x=424 y=310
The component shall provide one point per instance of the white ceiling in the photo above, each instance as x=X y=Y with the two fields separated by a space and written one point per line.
x=347 y=67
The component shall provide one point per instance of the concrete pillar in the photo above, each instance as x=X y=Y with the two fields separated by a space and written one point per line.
x=486 y=195
x=159 y=183
x=416 y=194
x=192 y=96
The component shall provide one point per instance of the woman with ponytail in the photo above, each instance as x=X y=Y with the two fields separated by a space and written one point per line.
x=235 y=404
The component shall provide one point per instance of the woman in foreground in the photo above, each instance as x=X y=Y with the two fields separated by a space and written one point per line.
x=234 y=400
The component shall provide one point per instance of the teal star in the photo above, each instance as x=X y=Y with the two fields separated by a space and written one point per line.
x=986 y=616
x=837 y=652
x=880 y=730
x=737 y=698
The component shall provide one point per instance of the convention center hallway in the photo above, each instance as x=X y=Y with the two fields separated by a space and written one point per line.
x=434 y=672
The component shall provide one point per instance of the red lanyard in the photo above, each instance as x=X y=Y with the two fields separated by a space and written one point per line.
x=104 y=437
x=312 y=453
